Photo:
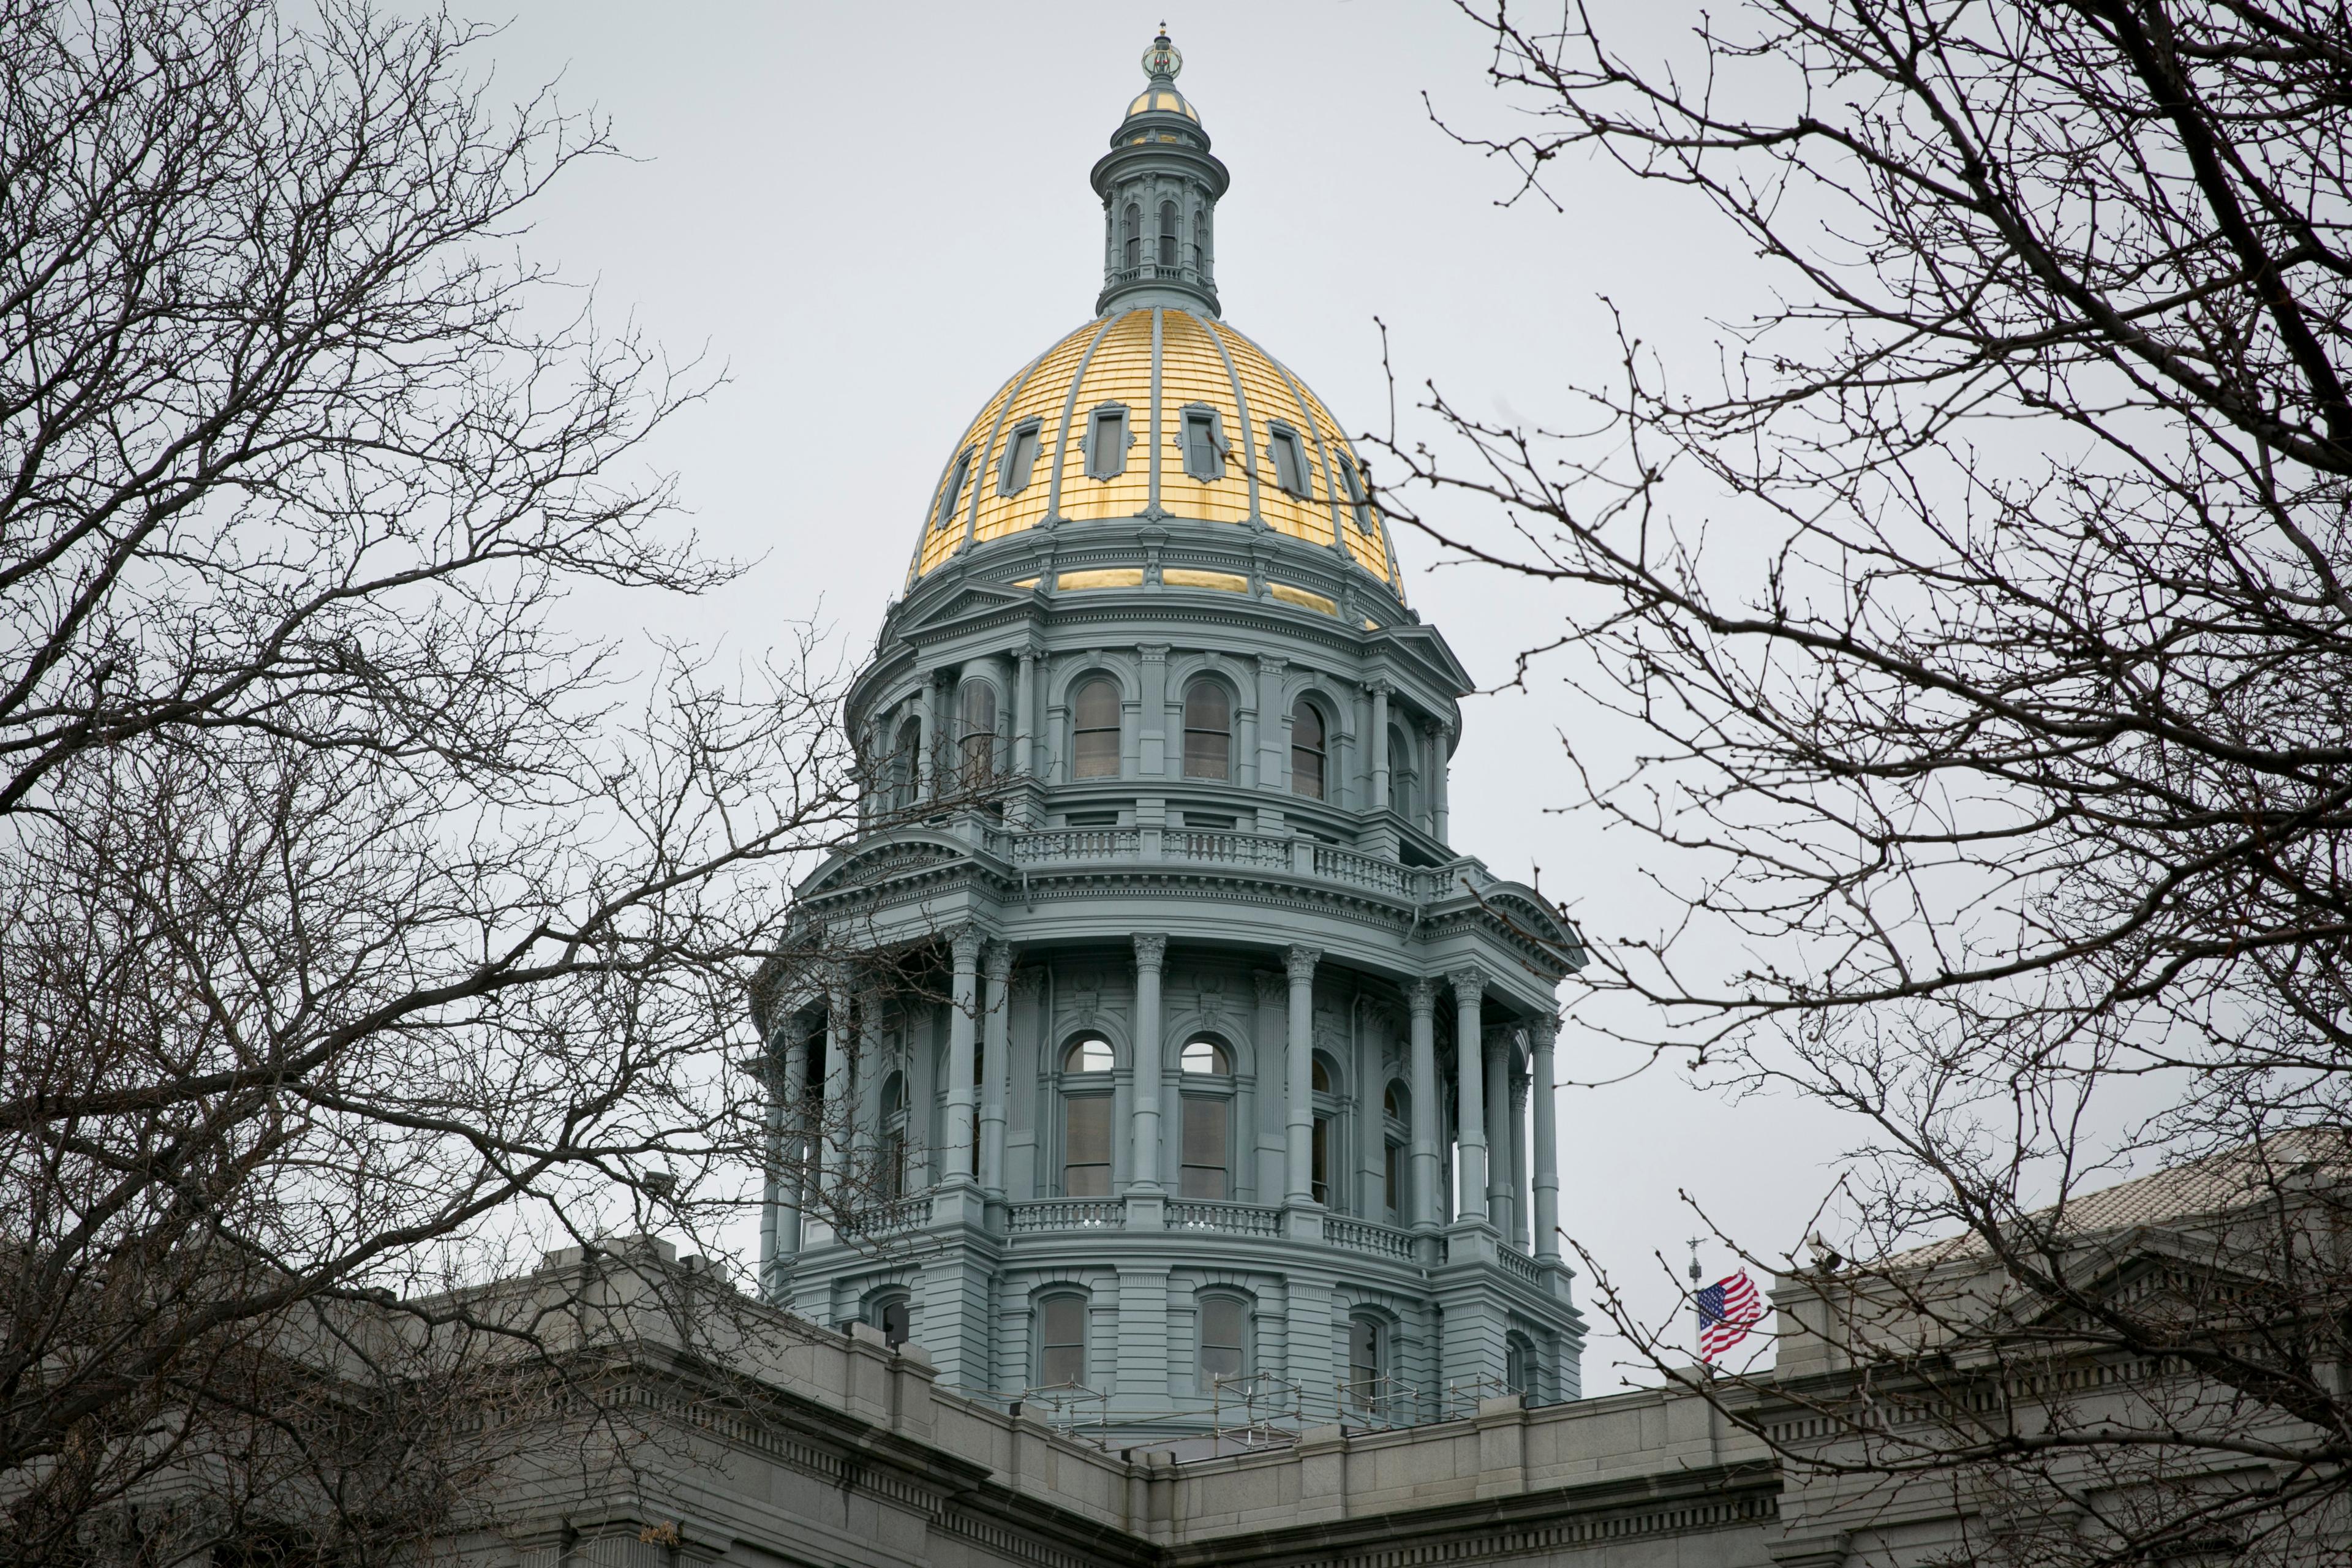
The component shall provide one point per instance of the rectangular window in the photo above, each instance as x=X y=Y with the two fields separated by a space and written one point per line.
x=1107 y=444
x=1357 y=506
x=1322 y=1158
x=1085 y=1146
x=1392 y=1178
x=1289 y=461
x=1225 y=1334
x=1061 y=1341
x=1204 y=456
x=954 y=492
x=1202 y=1174
x=1019 y=460
x=1364 y=1360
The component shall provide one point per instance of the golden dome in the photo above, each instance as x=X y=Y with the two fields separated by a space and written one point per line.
x=1164 y=377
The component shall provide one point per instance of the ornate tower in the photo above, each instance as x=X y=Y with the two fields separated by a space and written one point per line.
x=1166 y=1067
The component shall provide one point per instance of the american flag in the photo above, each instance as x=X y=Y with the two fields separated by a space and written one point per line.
x=1726 y=1309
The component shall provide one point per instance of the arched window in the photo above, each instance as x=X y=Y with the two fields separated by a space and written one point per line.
x=1205 y=1056
x=1404 y=780
x=1519 y=1368
x=1204 y=1169
x=1366 y=1361
x=1094 y=730
x=979 y=738
x=1085 y=1117
x=1322 y=1156
x=1062 y=1341
x=906 y=758
x=1208 y=731
x=1224 y=1340
x=1131 y=230
x=892 y=1312
x=1396 y=1139
x=1167 y=234
x=1306 y=751
x=1200 y=222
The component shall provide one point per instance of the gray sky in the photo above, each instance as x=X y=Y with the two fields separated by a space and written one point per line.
x=872 y=215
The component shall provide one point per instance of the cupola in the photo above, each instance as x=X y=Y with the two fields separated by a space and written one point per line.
x=1160 y=185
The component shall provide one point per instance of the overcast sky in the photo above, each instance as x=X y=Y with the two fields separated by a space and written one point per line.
x=872 y=215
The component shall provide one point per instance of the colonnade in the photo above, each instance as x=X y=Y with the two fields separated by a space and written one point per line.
x=1511 y=1185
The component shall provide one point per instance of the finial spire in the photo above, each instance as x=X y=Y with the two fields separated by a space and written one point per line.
x=1160 y=187
x=1161 y=62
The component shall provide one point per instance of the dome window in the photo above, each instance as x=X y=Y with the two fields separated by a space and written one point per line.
x=1358 y=506
x=1167 y=234
x=1208 y=731
x=1107 y=442
x=1289 y=459
x=979 y=738
x=1130 y=230
x=1306 y=751
x=952 y=494
x=1019 y=460
x=1204 y=444
x=1094 y=730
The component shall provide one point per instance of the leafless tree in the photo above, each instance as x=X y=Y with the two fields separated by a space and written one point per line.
x=1981 y=609
x=361 y=932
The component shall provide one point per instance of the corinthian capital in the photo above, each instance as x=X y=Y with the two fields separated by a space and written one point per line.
x=1149 y=951
x=964 y=942
x=1301 y=963
x=1469 y=984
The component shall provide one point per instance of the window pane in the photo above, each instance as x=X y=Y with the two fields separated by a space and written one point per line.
x=1094 y=750
x=1363 y=1349
x=1089 y=1055
x=1306 y=751
x=954 y=492
x=1205 y=1056
x=1289 y=462
x=1225 y=1327
x=1085 y=1146
x=1019 y=460
x=1206 y=1127
x=1322 y=1160
x=1107 y=452
x=1208 y=731
x=1388 y=1183
x=1062 y=1341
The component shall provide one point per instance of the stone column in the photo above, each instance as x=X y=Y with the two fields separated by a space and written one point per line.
x=1421 y=998
x=771 y=1196
x=963 y=1021
x=1498 y=1125
x=834 y=1119
x=927 y=719
x=1143 y=1174
x=1273 y=743
x=1379 y=743
x=792 y=1144
x=1545 y=1031
x=995 y=1067
x=1024 y=704
x=1470 y=1094
x=1299 y=1059
x=1519 y=1217
x=1441 y=765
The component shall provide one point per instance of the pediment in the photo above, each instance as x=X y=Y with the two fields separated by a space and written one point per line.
x=871 y=863
x=968 y=601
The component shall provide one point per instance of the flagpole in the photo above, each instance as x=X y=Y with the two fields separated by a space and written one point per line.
x=1698 y=1317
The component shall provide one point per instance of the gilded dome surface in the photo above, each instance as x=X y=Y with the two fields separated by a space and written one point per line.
x=1215 y=429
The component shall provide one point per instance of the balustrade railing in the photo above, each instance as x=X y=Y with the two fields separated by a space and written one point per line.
x=1239 y=1219
x=1068 y=1214
x=1519 y=1265
x=1259 y=851
x=1363 y=1235
x=885 y=1218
